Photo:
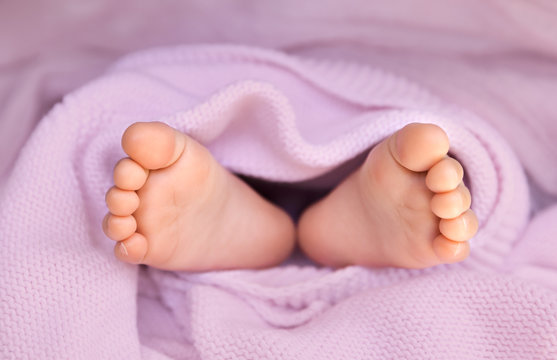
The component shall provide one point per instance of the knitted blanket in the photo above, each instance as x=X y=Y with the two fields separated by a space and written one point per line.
x=283 y=119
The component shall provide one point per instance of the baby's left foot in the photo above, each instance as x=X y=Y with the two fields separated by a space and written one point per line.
x=406 y=206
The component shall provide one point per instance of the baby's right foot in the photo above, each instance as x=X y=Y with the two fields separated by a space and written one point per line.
x=174 y=207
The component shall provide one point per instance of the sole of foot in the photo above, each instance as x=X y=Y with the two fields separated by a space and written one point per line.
x=174 y=207
x=406 y=206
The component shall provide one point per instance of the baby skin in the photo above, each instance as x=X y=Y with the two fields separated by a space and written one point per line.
x=174 y=207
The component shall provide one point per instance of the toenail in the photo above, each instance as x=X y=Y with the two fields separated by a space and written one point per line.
x=456 y=175
x=123 y=249
x=465 y=223
x=458 y=248
x=462 y=204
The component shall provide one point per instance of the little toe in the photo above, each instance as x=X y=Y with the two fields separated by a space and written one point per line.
x=119 y=227
x=154 y=145
x=132 y=250
x=444 y=176
x=451 y=204
x=129 y=175
x=121 y=202
x=461 y=228
x=418 y=147
x=449 y=251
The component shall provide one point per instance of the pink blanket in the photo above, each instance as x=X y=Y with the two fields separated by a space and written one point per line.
x=277 y=117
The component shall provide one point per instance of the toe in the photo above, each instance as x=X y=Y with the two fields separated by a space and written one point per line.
x=461 y=228
x=129 y=175
x=121 y=202
x=418 y=147
x=444 y=176
x=449 y=251
x=153 y=145
x=451 y=204
x=119 y=227
x=131 y=250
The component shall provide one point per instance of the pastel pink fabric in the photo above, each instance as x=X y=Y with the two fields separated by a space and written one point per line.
x=287 y=118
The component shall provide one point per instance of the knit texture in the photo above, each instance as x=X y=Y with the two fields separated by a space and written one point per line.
x=277 y=118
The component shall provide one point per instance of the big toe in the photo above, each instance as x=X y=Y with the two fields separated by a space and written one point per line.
x=154 y=145
x=418 y=147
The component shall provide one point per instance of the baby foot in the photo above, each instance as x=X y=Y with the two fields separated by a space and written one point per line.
x=174 y=207
x=406 y=206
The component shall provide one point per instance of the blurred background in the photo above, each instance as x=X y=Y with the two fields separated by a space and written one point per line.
x=494 y=58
